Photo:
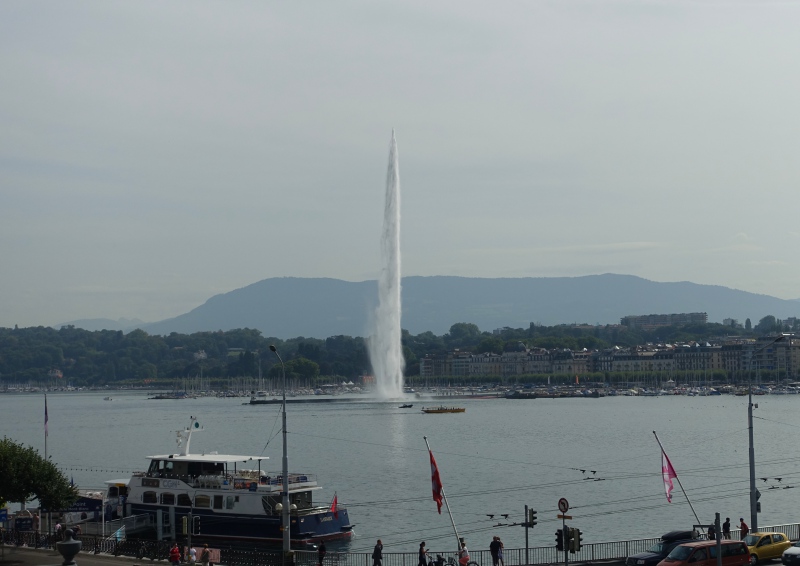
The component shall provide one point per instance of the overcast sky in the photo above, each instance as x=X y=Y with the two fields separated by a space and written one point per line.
x=154 y=154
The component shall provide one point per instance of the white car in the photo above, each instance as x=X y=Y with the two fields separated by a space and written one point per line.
x=791 y=556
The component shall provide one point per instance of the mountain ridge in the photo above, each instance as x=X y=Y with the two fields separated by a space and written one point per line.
x=289 y=307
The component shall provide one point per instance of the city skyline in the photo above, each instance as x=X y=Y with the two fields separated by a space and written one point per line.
x=154 y=156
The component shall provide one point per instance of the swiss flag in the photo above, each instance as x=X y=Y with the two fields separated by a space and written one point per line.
x=436 y=483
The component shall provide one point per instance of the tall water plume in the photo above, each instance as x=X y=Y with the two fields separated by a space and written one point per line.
x=385 y=346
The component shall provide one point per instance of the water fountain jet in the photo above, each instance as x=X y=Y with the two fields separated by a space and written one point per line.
x=385 y=345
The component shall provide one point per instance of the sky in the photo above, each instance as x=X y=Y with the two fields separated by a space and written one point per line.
x=154 y=154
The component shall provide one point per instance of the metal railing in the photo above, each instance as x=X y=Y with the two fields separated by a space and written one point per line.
x=613 y=551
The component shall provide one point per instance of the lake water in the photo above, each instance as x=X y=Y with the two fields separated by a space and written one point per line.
x=494 y=459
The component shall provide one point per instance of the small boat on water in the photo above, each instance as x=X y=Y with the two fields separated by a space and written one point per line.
x=406 y=406
x=442 y=409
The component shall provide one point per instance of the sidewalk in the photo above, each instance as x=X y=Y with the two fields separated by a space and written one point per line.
x=22 y=556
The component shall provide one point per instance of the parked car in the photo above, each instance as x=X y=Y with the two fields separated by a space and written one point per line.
x=791 y=556
x=659 y=550
x=766 y=546
x=704 y=553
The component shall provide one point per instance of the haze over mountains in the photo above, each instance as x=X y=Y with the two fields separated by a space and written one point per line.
x=289 y=307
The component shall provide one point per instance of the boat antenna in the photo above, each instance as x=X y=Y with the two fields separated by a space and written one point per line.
x=285 y=471
x=185 y=436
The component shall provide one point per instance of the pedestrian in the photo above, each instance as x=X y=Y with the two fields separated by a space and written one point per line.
x=712 y=532
x=726 y=528
x=463 y=554
x=175 y=554
x=494 y=550
x=192 y=555
x=321 y=551
x=500 y=552
x=743 y=528
x=205 y=556
x=377 y=554
x=423 y=554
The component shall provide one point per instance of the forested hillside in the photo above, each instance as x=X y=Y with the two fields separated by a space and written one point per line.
x=38 y=354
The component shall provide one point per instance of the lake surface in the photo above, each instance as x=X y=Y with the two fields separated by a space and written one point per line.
x=494 y=459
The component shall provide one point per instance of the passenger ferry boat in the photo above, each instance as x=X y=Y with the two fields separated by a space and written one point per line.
x=231 y=497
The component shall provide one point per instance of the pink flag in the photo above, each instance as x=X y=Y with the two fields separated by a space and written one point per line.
x=667 y=472
x=437 y=483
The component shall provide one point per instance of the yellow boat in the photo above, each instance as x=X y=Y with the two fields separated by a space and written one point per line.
x=443 y=409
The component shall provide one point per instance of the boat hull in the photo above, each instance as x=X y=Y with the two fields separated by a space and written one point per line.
x=307 y=528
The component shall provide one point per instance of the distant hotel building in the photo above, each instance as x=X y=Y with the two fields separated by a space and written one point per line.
x=652 y=321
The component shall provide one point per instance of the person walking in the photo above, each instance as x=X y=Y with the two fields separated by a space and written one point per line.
x=321 y=552
x=463 y=554
x=500 y=552
x=726 y=528
x=377 y=554
x=175 y=554
x=712 y=532
x=423 y=554
x=743 y=528
x=205 y=556
x=192 y=556
x=494 y=550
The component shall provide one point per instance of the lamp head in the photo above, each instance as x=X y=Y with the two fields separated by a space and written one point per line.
x=273 y=348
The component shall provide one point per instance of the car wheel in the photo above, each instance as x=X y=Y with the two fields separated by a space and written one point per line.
x=753 y=560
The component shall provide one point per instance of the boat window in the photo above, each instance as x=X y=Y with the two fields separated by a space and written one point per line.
x=217 y=502
x=167 y=499
x=149 y=497
x=202 y=501
x=113 y=491
x=184 y=500
x=302 y=499
x=230 y=501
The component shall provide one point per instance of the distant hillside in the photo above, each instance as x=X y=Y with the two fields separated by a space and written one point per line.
x=290 y=307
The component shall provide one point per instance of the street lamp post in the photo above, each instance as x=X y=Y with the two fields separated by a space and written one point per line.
x=285 y=471
x=753 y=491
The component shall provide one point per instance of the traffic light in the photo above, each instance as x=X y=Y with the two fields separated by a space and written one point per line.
x=184 y=521
x=531 y=518
x=577 y=537
x=195 y=525
x=559 y=540
x=569 y=540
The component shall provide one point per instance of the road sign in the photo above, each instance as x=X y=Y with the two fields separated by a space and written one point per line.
x=564 y=516
x=563 y=505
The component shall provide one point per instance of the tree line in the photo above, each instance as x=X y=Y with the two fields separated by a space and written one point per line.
x=109 y=357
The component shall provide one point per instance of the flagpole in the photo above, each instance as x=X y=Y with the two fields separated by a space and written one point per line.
x=679 y=482
x=45 y=426
x=446 y=504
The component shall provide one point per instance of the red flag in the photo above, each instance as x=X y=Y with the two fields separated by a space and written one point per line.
x=437 y=484
x=335 y=506
x=668 y=473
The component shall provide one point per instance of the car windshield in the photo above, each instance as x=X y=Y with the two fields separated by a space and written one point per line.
x=751 y=540
x=680 y=552
x=657 y=548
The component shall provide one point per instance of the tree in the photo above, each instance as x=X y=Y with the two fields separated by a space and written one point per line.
x=747 y=324
x=26 y=475
x=767 y=324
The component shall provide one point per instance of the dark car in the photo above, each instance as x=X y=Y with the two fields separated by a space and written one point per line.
x=659 y=550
